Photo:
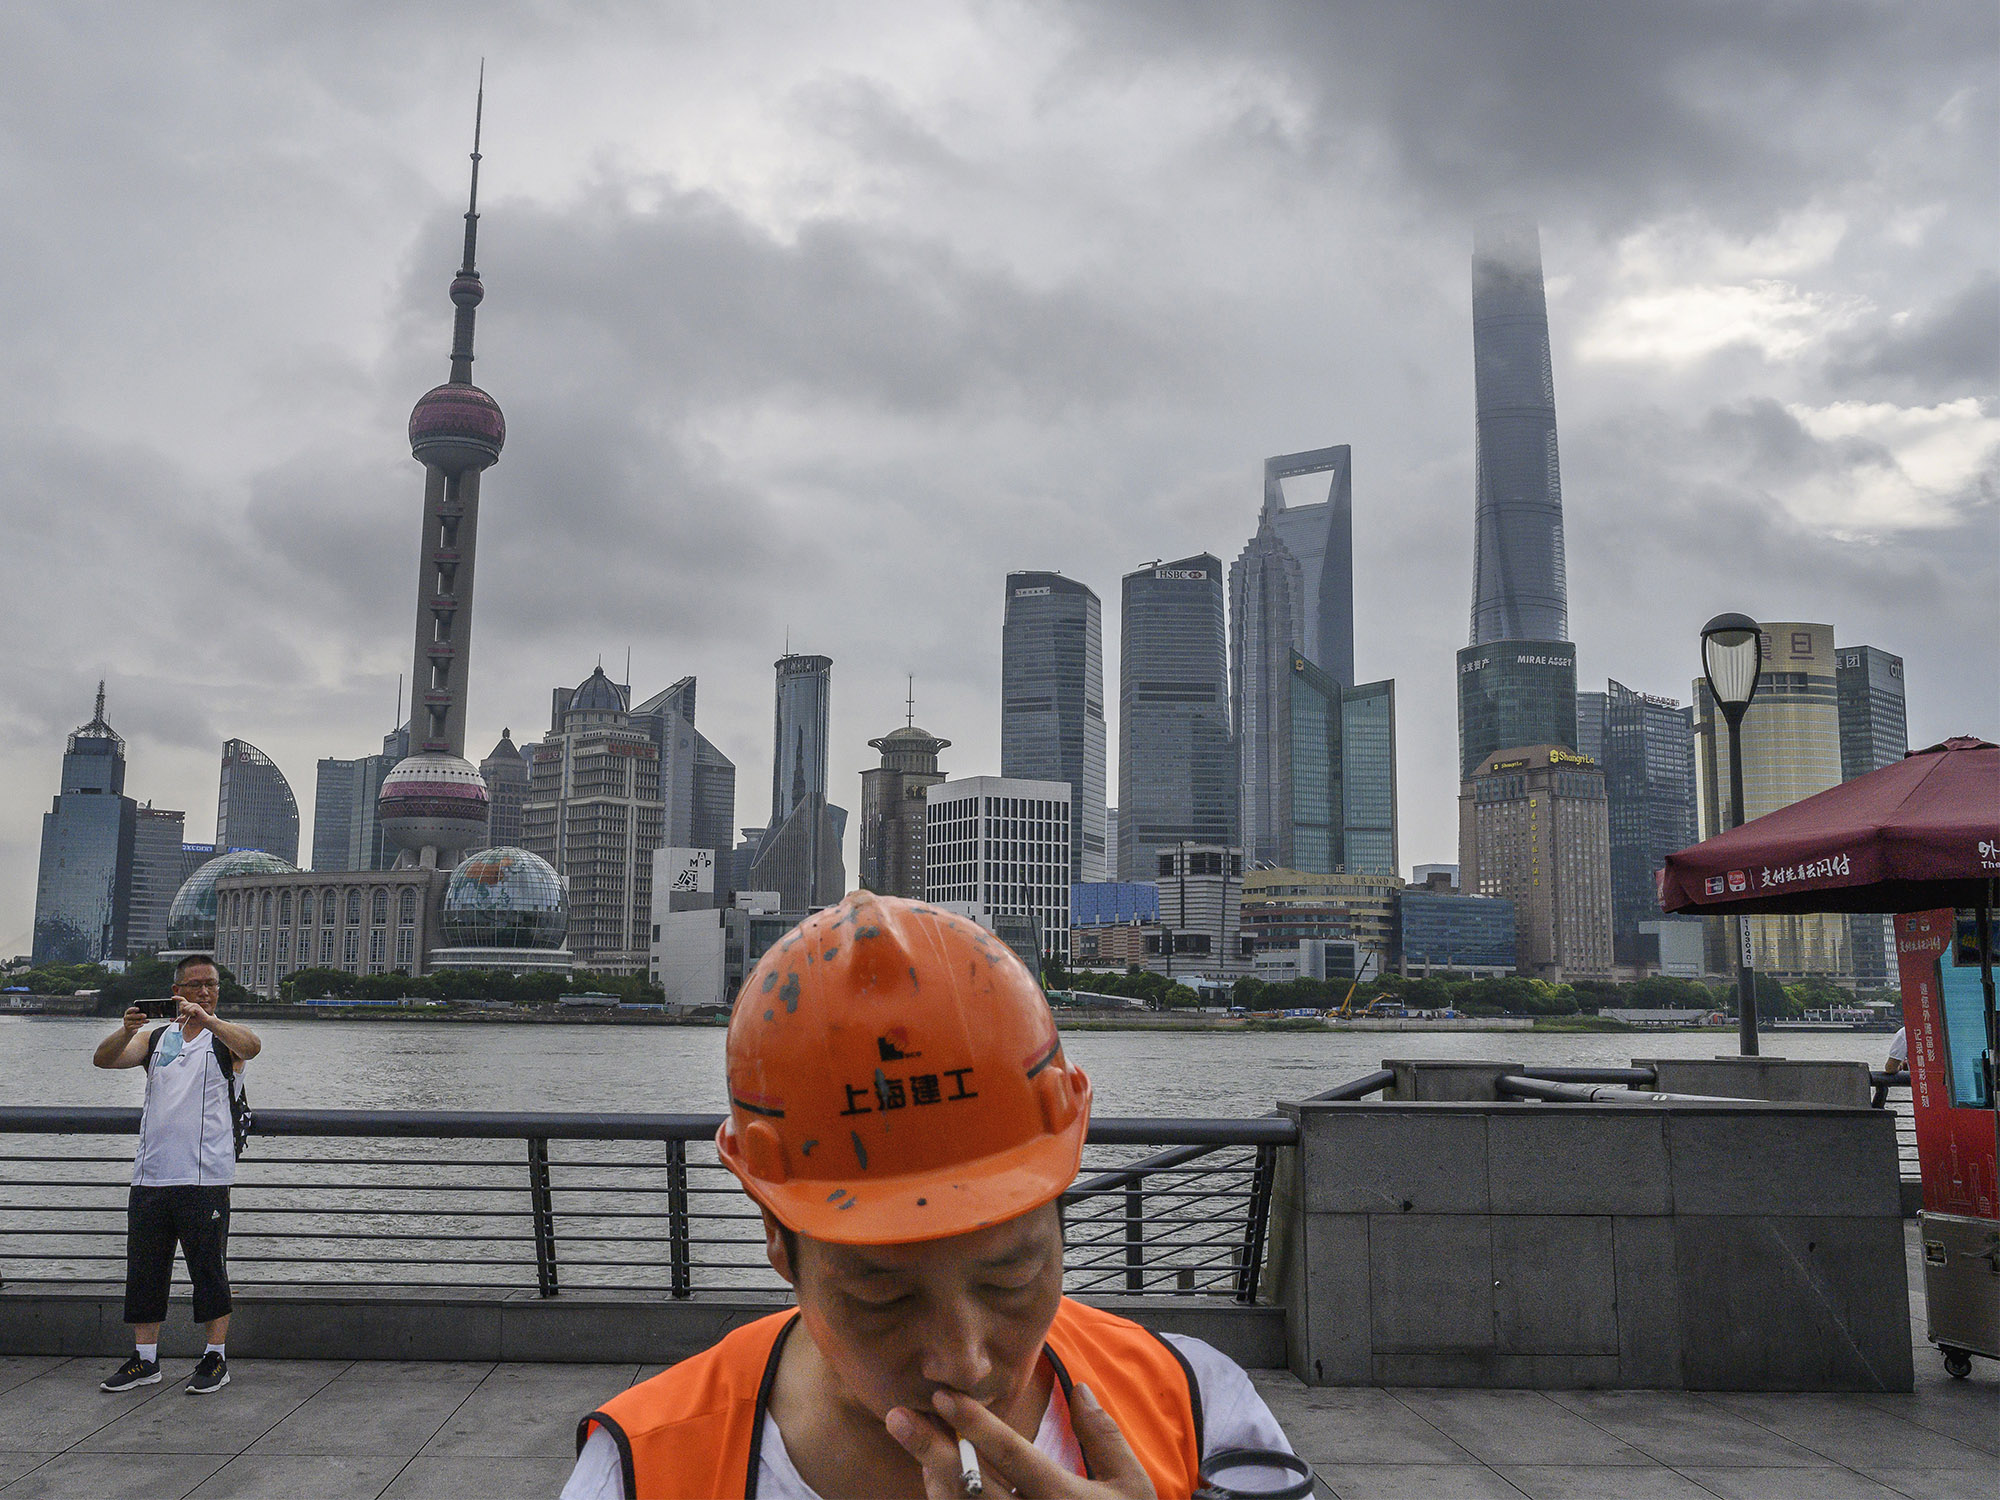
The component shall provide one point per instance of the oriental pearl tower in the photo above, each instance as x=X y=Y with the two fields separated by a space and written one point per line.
x=433 y=805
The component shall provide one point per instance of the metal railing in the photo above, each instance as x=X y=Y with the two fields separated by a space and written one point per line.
x=414 y=1201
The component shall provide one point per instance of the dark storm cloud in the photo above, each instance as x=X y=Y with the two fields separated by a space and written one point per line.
x=1574 y=105
x=1949 y=347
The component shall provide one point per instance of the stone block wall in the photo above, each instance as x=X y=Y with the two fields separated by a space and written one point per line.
x=1704 y=1246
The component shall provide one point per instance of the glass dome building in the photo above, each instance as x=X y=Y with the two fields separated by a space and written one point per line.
x=191 y=919
x=504 y=909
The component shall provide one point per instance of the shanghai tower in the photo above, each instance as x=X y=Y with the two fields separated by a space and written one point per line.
x=434 y=803
x=1517 y=678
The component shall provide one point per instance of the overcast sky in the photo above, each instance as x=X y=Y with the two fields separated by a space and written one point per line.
x=816 y=319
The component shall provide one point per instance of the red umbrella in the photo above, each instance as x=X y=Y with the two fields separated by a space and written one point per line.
x=1922 y=833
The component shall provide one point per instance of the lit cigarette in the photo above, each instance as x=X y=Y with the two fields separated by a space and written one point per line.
x=968 y=1462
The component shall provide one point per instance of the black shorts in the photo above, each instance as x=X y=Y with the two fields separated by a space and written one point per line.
x=156 y=1218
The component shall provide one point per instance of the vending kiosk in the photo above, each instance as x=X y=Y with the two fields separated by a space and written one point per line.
x=1947 y=1016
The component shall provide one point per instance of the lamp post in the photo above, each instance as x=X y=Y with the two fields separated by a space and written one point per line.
x=1732 y=659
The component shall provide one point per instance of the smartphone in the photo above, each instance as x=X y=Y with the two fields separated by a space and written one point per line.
x=159 y=1009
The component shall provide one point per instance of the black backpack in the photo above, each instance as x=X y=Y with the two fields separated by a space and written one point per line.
x=240 y=1116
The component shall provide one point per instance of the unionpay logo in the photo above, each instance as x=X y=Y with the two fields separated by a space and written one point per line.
x=1715 y=885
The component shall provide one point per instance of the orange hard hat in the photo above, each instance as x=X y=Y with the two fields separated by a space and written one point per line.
x=895 y=1074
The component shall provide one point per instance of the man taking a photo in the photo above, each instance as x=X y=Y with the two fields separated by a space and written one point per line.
x=182 y=1175
x=903 y=1116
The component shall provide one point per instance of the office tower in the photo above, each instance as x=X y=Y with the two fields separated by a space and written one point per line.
x=1590 y=725
x=1791 y=749
x=1110 y=841
x=1330 y=788
x=1292 y=588
x=1201 y=907
x=998 y=846
x=1517 y=677
x=594 y=811
x=159 y=865
x=1052 y=702
x=742 y=857
x=708 y=780
x=434 y=804
x=1177 y=771
x=1519 y=589
x=1450 y=931
x=1874 y=732
x=347 y=816
x=1532 y=828
x=505 y=772
x=892 y=809
x=799 y=855
x=83 y=891
x=1368 y=778
x=1645 y=747
x=1110 y=922
x=254 y=807
x=1515 y=693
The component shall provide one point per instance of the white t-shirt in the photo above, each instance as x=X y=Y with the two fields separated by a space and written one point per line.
x=1233 y=1416
x=1899 y=1047
x=187 y=1135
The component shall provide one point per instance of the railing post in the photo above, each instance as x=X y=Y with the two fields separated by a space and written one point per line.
x=677 y=1217
x=1135 y=1237
x=1255 y=1222
x=542 y=1204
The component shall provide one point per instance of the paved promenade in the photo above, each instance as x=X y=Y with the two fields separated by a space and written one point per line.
x=294 y=1430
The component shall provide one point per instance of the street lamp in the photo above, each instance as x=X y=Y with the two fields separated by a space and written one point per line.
x=1732 y=658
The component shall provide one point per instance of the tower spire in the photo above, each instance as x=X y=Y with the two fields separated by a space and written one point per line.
x=98 y=717
x=910 y=703
x=466 y=291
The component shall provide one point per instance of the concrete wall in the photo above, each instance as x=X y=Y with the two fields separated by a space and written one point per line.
x=510 y=1325
x=1686 y=1246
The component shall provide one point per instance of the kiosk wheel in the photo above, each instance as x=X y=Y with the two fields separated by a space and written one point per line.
x=1957 y=1363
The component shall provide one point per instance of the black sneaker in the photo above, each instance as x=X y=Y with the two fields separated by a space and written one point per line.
x=135 y=1371
x=210 y=1376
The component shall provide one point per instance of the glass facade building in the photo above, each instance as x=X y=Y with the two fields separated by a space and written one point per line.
x=1334 y=776
x=254 y=806
x=1177 y=767
x=1520 y=590
x=158 y=868
x=191 y=919
x=1052 y=702
x=83 y=888
x=505 y=772
x=1874 y=732
x=1515 y=693
x=1645 y=747
x=1368 y=778
x=1291 y=589
x=347 y=821
x=1437 y=930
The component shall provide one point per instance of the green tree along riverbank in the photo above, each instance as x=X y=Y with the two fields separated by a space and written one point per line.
x=1506 y=996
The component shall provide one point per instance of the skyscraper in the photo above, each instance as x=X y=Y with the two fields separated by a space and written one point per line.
x=347 y=820
x=505 y=772
x=1177 y=771
x=83 y=890
x=1791 y=749
x=1874 y=732
x=1291 y=589
x=892 y=810
x=1517 y=678
x=1519 y=590
x=1645 y=747
x=799 y=854
x=434 y=804
x=594 y=811
x=701 y=776
x=159 y=865
x=1052 y=701
x=998 y=847
x=1368 y=778
x=1532 y=828
x=1333 y=779
x=254 y=806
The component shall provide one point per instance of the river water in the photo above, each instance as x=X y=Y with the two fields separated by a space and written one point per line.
x=678 y=1069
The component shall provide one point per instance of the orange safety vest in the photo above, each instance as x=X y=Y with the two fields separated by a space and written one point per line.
x=693 y=1432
